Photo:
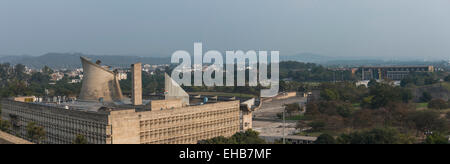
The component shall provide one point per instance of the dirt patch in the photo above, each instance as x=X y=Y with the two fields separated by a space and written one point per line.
x=2 y=141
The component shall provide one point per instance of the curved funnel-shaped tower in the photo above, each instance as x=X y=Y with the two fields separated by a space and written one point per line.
x=99 y=83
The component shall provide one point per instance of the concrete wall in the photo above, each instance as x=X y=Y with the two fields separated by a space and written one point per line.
x=99 y=83
x=174 y=91
x=136 y=71
x=185 y=125
x=124 y=126
x=181 y=125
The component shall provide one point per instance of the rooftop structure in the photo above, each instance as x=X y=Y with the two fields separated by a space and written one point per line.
x=174 y=91
x=136 y=87
x=99 y=83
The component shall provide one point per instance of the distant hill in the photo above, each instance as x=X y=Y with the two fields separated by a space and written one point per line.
x=307 y=58
x=72 y=60
x=355 y=61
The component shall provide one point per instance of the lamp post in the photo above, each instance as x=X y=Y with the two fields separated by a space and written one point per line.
x=284 y=126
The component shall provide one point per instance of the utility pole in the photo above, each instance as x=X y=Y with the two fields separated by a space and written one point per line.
x=284 y=126
x=334 y=76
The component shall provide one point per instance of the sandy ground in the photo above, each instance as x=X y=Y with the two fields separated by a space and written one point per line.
x=2 y=141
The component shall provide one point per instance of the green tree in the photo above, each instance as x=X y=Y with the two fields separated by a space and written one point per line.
x=80 y=139
x=374 y=136
x=292 y=108
x=447 y=79
x=35 y=133
x=247 y=137
x=437 y=104
x=383 y=94
x=312 y=109
x=420 y=79
x=325 y=139
x=317 y=126
x=19 y=72
x=426 y=97
x=4 y=125
x=47 y=70
x=372 y=83
x=329 y=95
x=428 y=121
x=436 y=138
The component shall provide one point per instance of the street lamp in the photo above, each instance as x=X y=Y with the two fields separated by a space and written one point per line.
x=284 y=125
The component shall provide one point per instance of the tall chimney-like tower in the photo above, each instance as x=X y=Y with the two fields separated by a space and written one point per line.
x=136 y=71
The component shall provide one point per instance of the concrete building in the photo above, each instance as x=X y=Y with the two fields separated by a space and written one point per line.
x=25 y=98
x=122 y=121
x=99 y=83
x=174 y=91
x=120 y=125
x=391 y=72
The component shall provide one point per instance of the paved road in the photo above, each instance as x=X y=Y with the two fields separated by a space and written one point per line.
x=266 y=122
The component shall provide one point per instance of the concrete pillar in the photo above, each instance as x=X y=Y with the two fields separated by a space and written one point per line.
x=136 y=73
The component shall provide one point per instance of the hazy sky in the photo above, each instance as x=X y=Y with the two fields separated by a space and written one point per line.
x=386 y=28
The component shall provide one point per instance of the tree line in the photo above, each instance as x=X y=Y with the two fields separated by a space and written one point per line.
x=351 y=110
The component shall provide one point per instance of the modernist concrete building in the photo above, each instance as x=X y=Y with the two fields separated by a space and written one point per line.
x=180 y=125
x=392 y=72
x=173 y=91
x=99 y=83
x=169 y=121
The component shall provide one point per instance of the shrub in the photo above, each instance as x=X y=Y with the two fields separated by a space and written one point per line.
x=317 y=126
x=374 y=136
x=325 y=139
x=437 y=104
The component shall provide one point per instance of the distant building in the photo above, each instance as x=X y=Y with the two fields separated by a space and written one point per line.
x=25 y=99
x=391 y=72
x=56 y=76
x=122 y=76
x=292 y=139
x=72 y=81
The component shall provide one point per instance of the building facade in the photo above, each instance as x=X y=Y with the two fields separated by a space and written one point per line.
x=182 y=125
x=392 y=73
x=61 y=125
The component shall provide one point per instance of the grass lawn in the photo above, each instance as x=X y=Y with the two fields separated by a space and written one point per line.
x=356 y=106
x=421 y=105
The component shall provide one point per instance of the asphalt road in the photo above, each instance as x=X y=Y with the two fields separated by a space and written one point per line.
x=266 y=122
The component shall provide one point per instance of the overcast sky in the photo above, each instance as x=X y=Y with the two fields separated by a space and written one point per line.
x=385 y=28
